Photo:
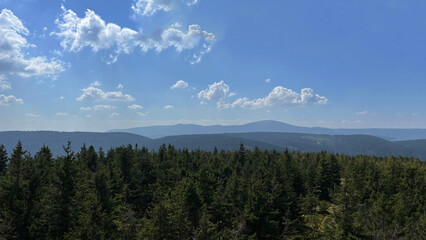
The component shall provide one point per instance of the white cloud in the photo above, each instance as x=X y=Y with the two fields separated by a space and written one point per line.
x=57 y=52
x=61 y=98
x=268 y=80
x=194 y=39
x=362 y=113
x=7 y=100
x=150 y=7
x=351 y=122
x=203 y=103
x=4 y=85
x=279 y=96
x=61 y=114
x=85 y=109
x=12 y=44
x=197 y=57
x=92 y=31
x=141 y=114
x=134 y=107
x=180 y=84
x=103 y=107
x=190 y=2
x=176 y=25
x=96 y=94
x=32 y=115
x=120 y=86
x=216 y=91
x=114 y=114
x=96 y=84
x=168 y=107
x=231 y=94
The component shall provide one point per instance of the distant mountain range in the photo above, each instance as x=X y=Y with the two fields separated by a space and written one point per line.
x=344 y=144
x=391 y=134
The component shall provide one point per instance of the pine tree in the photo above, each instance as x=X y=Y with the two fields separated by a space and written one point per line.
x=3 y=160
x=61 y=217
x=12 y=197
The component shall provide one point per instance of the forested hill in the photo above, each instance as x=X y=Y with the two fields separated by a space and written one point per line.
x=343 y=144
x=391 y=134
x=32 y=141
x=133 y=193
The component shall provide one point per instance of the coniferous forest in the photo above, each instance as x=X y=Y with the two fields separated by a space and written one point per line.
x=131 y=192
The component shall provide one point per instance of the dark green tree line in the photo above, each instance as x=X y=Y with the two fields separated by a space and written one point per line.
x=130 y=192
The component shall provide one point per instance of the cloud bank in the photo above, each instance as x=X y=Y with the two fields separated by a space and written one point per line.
x=97 y=94
x=282 y=97
x=12 y=44
x=92 y=31
x=279 y=96
x=7 y=100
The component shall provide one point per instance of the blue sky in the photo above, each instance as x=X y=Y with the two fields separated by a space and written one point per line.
x=99 y=65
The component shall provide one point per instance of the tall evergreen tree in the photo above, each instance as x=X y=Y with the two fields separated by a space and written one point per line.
x=3 y=160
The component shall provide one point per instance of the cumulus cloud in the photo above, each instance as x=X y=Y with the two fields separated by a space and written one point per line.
x=268 y=80
x=141 y=114
x=114 y=114
x=92 y=31
x=120 y=86
x=103 y=107
x=361 y=113
x=12 y=44
x=7 y=100
x=279 y=96
x=134 y=107
x=96 y=94
x=168 y=107
x=180 y=84
x=216 y=92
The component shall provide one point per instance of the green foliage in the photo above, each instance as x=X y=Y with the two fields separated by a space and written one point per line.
x=3 y=160
x=133 y=193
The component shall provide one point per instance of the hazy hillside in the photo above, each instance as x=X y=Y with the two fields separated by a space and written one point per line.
x=33 y=141
x=271 y=126
x=209 y=141
x=345 y=144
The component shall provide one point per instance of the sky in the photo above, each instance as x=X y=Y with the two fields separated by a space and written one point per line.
x=99 y=65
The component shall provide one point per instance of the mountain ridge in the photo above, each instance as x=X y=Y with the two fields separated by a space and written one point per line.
x=344 y=144
x=393 y=134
